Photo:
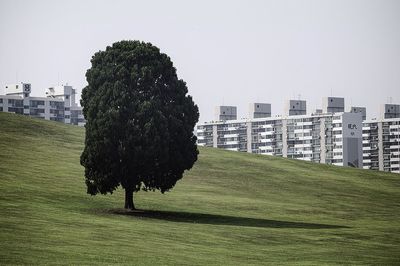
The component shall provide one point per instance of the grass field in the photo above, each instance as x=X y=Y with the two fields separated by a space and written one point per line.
x=230 y=209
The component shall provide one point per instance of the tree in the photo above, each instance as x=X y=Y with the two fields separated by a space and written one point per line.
x=140 y=121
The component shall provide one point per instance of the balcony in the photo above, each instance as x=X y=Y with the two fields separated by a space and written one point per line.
x=267 y=133
x=302 y=130
x=267 y=126
x=304 y=123
x=266 y=148
x=305 y=138
x=266 y=140
x=231 y=136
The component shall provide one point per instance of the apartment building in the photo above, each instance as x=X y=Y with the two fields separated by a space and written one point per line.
x=381 y=140
x=332 y=138
x=59 y=105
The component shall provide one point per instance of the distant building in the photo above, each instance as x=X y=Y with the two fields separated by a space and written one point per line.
x=381 y=144
x=338 y=138
x=59 y=105
x=73 y=112
x=323 y=138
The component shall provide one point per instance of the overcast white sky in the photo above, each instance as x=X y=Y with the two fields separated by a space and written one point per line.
x=228 y=52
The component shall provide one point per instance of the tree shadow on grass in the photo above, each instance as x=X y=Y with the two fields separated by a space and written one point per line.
x=215 y=219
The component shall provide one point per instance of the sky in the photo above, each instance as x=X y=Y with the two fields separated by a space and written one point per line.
x=228 y=52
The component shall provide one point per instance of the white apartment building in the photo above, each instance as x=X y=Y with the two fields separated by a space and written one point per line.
x=381 y=141
x=332 y=138
x=59 y=105
x=329 y=135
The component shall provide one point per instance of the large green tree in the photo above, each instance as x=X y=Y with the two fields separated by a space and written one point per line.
x=140 y=121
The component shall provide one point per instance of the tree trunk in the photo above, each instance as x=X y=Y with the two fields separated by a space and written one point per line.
x=129 y=199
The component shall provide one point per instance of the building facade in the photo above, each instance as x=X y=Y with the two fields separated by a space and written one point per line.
x=334 y=138
x=59 y=105
x=326 y=136
x=381 y=144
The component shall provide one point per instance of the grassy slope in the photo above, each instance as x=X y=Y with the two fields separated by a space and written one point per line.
x=231 y=208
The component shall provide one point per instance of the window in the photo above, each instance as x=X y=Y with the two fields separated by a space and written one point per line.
x=15 y=103
x=57 y=105
x=1 y=100
x=67 y=97
x=35 y=104
x=15 y=110
x=36 y=111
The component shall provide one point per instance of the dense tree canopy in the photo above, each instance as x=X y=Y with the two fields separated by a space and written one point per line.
x=140 y=121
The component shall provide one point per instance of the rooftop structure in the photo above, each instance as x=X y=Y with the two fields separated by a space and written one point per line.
x=223 y=113
x=295 y=107
x=390 y=110
x=259 y=110
x=332 y=104
x=361 y=110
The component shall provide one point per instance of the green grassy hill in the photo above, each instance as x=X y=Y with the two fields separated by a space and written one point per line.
x=231 y=208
